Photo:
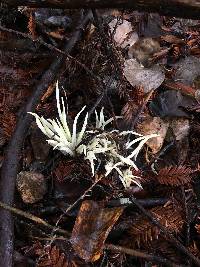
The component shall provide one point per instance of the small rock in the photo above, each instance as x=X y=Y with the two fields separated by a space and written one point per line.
x=31 y=186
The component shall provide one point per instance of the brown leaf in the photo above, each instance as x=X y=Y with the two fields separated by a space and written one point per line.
x=91 y=229
x=143 y=231
x=48 y=92
x=151 y=125
x=8 y=123
x=52 y=257
x=174 y=175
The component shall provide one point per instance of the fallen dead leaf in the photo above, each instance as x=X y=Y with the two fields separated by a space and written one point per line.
x=187 y=70
x=91 y=229
x=124 y=34
x=148 y=78
x=152 y=125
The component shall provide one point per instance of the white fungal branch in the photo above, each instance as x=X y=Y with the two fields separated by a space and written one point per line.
x=101 y=146
x=100 y=120
x=58 y=132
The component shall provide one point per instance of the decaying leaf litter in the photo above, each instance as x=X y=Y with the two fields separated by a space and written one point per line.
x=111 y=155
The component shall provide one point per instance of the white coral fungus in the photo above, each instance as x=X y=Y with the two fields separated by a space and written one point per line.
x=102 y=146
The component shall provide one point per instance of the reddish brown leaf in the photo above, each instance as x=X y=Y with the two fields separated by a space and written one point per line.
x=143 y=231
x=64 y=169
x=52 y=257
x=91 y=229
x=8 y=122
x=48 y=92
x=186 y=89
x=174 y=175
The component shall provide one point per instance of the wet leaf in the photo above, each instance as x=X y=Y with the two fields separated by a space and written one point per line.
x=187 y=70
x=171 y=103
x=148 y=78
x=91 y=229
x=123 y=33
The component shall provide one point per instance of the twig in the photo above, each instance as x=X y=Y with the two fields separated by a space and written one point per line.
x=149 y=202
x=187 y=240
x=33 y=218
x=12 y=157
x=142 y=255
x=170 y=237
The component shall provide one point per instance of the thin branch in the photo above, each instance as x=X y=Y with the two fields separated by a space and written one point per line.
x=149 y=202
x=33 y=218
x=187 y=239
x=142 y=255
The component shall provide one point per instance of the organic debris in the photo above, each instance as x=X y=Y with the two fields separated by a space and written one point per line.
x=31 y=186
x=147 y=78
x=99 y=136
x=91 y=229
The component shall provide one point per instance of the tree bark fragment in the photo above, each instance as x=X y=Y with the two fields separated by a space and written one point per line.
x=177 y=8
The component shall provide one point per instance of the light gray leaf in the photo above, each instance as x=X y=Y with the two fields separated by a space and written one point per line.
x=148 y=78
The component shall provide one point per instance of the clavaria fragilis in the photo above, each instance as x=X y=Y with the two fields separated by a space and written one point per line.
x=71 y=143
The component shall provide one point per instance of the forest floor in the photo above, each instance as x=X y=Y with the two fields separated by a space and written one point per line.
x=117 y=184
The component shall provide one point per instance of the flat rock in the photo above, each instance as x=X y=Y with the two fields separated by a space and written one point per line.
x=31 y=186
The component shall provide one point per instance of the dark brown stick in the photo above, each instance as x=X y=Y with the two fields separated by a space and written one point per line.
x=142 y=255
x=149 y=202
x=169 y=236
x=13 y=155
x=187 y=238
x=34 y=218
x=178 y=8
